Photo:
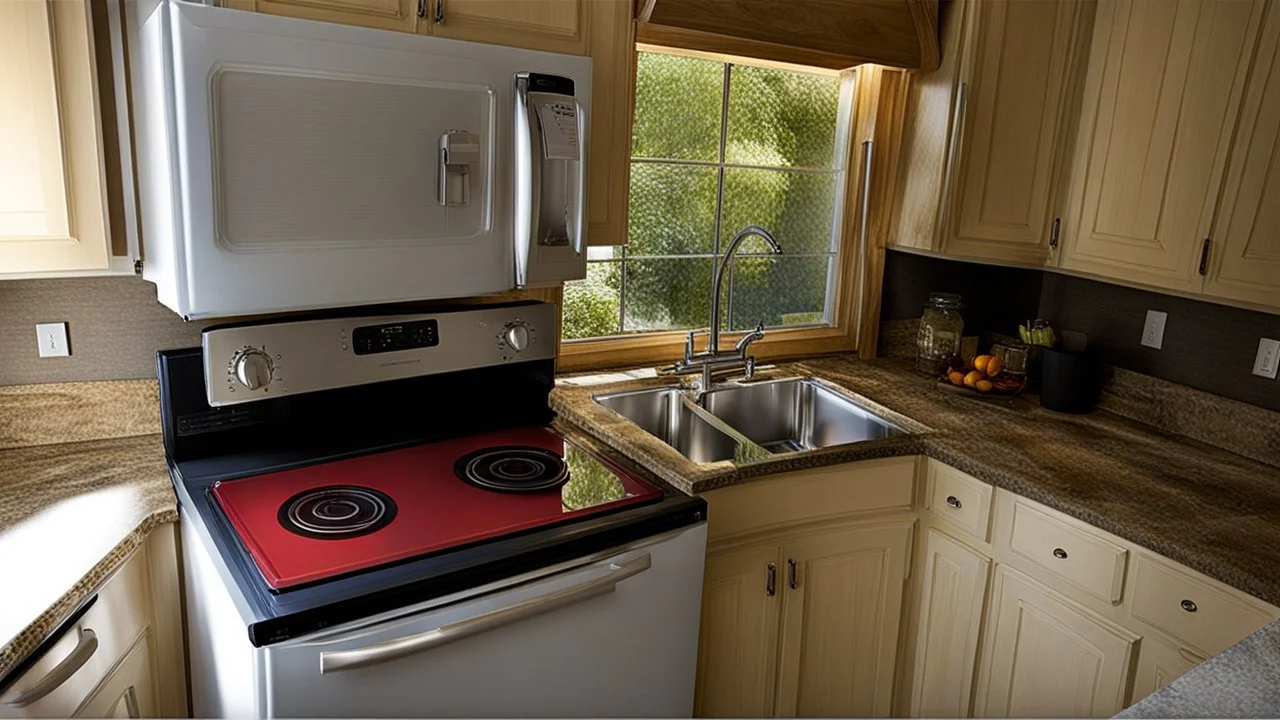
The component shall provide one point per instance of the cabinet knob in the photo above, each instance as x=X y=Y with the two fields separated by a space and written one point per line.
x=1060 y=553
x=1189 y=606
x=953 y=501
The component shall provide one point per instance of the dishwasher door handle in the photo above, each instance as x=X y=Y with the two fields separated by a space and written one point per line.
x=336 y=660
x=85 y=648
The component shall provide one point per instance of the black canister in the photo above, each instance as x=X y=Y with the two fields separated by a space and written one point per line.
x=1070 y=380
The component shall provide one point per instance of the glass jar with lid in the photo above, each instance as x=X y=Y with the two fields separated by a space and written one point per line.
x=938 y=339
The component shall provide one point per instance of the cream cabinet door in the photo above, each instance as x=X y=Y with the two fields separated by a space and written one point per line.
x=1245 y=255
x=1160 y=103
x=550 y=25
x=1013 y=128
x=842 y=607
x=129 y=691
x=1160 y=664
x=399 y=15
x=952 y=593
x=52 y=179
x=1045 y=656
x=738 y=646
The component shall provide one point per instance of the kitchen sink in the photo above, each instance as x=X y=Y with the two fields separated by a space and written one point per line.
x=778 y=415
x=661 y=413
x=795 y=414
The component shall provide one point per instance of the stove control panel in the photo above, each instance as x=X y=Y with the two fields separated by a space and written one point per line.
x=258 y=362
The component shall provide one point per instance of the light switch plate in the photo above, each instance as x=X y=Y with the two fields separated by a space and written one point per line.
x=1153 y=331
x=1268 y=359
x=51 y=339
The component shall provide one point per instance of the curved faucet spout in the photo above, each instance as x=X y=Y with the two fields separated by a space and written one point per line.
x=713 y=337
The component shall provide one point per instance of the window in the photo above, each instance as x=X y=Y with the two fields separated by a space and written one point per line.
x=717 y=146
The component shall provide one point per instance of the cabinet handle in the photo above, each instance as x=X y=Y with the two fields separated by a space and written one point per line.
x=1054 y=231
x=422 y=8
x=439 y=12
x=770 y=580
x=791 y=574
x=1189 y=606
x=953 y=501
x=1204 y=256
x=1060 y=553
x=60 y=673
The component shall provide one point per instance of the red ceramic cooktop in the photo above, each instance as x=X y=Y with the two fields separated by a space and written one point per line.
x=316 y=522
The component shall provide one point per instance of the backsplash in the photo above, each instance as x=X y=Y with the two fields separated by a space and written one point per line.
x=1206 y=346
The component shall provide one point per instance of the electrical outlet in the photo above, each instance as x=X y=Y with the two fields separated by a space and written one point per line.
x=51 y=339
x=1268 y=359
x=1153 y=331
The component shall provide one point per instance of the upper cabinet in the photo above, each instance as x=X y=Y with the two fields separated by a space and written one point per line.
x=53 y=207
x=833 y=34
x=1160 y=106
x=550 y=25
x=381 y=14
x=987 y=134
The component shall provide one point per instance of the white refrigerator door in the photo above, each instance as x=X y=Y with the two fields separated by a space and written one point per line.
x=296 y=164
x=626 y=649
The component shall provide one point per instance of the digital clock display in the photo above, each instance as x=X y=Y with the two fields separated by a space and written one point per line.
x=372 y=339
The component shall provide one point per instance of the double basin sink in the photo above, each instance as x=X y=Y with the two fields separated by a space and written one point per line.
x=776 y=416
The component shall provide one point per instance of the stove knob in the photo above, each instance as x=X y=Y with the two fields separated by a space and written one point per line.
x=253 y=368
x=516 y=335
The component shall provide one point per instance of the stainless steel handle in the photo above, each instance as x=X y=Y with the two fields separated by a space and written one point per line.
x=864 y=220
x=792 y=581
x=60 y=673
x=953 y=501
x=1060 y=553
x=439 y=18
x=770 y=580
x=337 y=660
x=1193 y=658
x=1189 y=606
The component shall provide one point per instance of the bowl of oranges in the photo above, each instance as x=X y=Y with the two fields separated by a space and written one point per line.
x=984 y=375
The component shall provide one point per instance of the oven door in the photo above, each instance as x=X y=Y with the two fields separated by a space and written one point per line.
x=613 y=638
x=289 y=164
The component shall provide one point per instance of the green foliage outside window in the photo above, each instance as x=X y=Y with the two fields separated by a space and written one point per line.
x=688 y=197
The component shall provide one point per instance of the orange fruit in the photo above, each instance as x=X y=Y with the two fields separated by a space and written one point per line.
x=972 y=378
x=983 y=385
x=980 y=362
x=956 y=377
x=994 y=366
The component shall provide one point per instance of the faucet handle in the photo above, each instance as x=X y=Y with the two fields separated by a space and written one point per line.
x=750 y=337
x=688 y=343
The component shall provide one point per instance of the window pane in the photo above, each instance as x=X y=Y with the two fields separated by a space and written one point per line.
x=778 y=291
x=781 y=118
x=798 y=208
x=668 y=294
x=678 y=103
x=673 y=209
x=591 y=306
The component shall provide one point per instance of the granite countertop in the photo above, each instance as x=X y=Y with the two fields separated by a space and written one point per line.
x=1205 y=507
x=1242 y=681
x=71 y=513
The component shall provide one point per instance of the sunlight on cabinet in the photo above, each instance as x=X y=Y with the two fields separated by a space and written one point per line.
x=737 y=656
x=952 y=593
x=550 y=25
x=52 y=179
x=1046 y=656
x=399 y=15
x=1161 y=98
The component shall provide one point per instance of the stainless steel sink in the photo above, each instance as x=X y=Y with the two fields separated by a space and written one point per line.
x=660 y=413
x=795 y=414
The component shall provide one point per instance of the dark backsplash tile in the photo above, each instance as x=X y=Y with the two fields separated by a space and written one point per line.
x=995 y=298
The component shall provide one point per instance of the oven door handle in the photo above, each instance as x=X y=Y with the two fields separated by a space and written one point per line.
x=336 y=660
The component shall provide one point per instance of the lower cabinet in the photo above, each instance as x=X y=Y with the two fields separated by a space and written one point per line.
x=804 y=623
x=129 y=691
x=1160 y=664
x=1047 y=656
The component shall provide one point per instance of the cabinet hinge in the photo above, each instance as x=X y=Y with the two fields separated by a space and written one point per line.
x=1054 y=231
x=1204 y=256
x=137 y=266
x=422 y=8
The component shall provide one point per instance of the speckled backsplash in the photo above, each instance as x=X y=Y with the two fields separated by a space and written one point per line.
x=77 y=411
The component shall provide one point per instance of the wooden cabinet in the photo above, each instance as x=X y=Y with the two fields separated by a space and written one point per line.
x=53 y=213
x=1046 y=656
x=550 y=25
x=953 y=591
x=1160 y=664
x=611 y=42
x=1161 y=99
x=399 y=15
x=1245 y=253
x=129 y=691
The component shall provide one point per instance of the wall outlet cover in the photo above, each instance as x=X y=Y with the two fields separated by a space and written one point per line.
x=1153 y=331
x=1268 y=359
x=51 y=339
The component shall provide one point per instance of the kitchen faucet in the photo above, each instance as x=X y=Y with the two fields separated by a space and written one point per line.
x=711 y=358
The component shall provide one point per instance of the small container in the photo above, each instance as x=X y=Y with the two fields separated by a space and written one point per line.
x=941 y=328
x=1012 y=357
x=1069 y=381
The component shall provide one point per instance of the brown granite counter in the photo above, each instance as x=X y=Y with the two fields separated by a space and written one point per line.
x=1210 y=509
x=72 y=512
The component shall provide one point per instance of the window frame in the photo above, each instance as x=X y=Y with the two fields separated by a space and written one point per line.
x=846 y=315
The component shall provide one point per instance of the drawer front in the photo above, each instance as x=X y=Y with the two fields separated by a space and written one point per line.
x=1069 y=550
x=959 y=499
x=1192 y=610
x=102 y=636
x=789 y=498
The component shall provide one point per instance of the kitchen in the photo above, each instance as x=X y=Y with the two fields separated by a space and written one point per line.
x=675 y=295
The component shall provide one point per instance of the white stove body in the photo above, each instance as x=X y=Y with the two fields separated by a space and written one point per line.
x=613 y=635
